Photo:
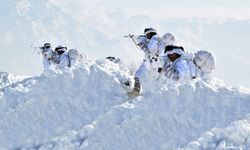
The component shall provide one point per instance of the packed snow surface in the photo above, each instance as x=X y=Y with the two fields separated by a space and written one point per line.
x=87 y=108
x=233 y=137
x=8 y=79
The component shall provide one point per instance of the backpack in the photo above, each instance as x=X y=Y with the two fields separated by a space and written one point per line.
x=168 y=39
x=74 y=54
x=205 y=61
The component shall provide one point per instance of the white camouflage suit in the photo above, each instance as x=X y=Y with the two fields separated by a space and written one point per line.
x=189 y=66
x=69 y=59
x=182 y=68
x=75 y=57
x=63 y=61
x=63 y=58
x=47 y=62
x=155 y=47
x=167 y=39
x=150 y=61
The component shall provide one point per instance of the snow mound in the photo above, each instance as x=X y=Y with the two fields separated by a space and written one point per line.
x=8 y=79
x=37 y=109
x=168 y=119
x=88 y=108
x=233 y=137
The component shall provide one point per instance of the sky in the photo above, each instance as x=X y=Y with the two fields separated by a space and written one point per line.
x=97 y=28
x=220 y=9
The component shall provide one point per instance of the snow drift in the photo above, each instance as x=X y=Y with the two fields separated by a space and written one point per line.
x=87 y=108
x=39 y=108
x=233 y=137
x=8 y=79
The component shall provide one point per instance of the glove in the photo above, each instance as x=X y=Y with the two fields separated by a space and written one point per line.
x=176 y=78
x=159 y=70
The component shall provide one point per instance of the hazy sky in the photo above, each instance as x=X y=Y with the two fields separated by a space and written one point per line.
x=227 y=8
x=158 y=3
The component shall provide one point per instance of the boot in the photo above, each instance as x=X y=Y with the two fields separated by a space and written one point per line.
x=136 y=90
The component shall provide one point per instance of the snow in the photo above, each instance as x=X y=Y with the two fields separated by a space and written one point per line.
x=39 y=108
x=87 y=108
x=8 y=79
x=168 y=119
x=233 y=137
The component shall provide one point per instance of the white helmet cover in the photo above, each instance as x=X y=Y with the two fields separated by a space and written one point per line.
x=150 y=30
x=61 y=48
x=176 y=50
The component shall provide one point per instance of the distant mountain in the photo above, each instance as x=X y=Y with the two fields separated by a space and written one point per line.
x=37 y=22
x=29 y=23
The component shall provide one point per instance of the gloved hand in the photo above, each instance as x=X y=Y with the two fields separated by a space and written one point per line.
x=176 y=76
x=159 y=70
x=169 y=70
x=55 y=58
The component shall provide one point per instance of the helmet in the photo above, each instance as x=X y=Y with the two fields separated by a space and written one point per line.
x=175 y=51
x=61 y=48
x=47 y=45
x=45 y=48
x=149 y=30
x=170 y=49
x=168 y=39
x=111 y=58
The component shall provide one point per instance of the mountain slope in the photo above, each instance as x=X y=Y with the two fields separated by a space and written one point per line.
x=37 y=22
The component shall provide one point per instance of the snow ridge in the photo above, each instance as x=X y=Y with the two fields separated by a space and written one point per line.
x=87 y=108
x=235 y=136
x=39 y=108
x=8 y=79
x=168 y=119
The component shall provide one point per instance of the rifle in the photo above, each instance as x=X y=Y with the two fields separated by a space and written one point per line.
x=37 y=48
x=131 y=36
